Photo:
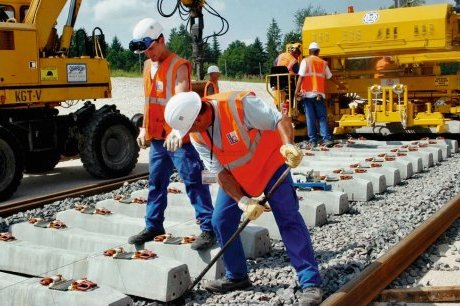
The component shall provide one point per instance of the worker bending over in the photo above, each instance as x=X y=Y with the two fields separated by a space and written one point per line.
x=166 y=74
x=246 y=144
x=289 y=59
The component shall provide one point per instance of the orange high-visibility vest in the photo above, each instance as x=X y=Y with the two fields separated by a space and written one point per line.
x=315 y=75
x=213 y=85
x=252 y=156
x=381 y=65
x=158 y=91
x=286 y=59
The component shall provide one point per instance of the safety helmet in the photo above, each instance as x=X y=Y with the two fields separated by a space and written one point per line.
x=213 y=68
x=145 y=33
x=182 y=110
x=313 y=46
x=295 y=47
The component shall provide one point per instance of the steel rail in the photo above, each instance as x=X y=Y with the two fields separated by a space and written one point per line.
x=88 y=190
x=378 y=275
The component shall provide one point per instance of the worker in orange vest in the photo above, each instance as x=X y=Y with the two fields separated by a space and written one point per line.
x=381 y=64
x=212 y=85
x=310 y=90
x=289 y=59
x=247 y=145
x=166 y=74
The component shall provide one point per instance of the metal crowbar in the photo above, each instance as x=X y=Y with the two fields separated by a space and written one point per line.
x=239 y=230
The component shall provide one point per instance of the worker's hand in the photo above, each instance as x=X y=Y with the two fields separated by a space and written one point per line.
x=172 y=142
x=251 y=208
x=141 y=141
x=292 y=155
x=299 y=96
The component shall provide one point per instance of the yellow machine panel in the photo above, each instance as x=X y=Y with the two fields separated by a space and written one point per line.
x=390 y=31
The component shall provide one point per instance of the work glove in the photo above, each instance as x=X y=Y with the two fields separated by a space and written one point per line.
x=172 y=141
x=251 y=208
x=141 y=141
x=292 y=155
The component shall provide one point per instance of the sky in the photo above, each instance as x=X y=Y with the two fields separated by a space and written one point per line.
x=248 y=19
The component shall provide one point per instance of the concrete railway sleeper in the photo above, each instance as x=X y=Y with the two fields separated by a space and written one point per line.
x=352 y=240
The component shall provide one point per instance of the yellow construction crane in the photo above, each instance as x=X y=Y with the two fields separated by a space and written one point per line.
x=37 y=74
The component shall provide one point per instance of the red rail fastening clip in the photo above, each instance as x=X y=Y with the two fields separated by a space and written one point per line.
x=161 y=238
x=118 y=197
x=57 y=224
x=102 y=211
x=338 y=146
x=432 y=142
x=376 y=165
x=35 y=220
x=345 y=177
x=49 y=280
x=139 y=200
x=309 y=154
x=80 y=207
x=413 y=149
x=174 y=190
x=405 y=146
x=389 y=158
x=188 y=239
x=369 y=159
x=402 y=154
x=114 y=251
x=323 y=149
x=382 y=155
x=82 y=285
x=354 y=165
x=144 y=254
x=360 y=170
x=394 y=150
x=6 y=236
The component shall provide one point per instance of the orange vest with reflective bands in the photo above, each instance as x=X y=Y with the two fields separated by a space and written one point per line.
x=252 y=156
x=286 y=59
x=315 y=75
x=158 y=91
x=211 y=84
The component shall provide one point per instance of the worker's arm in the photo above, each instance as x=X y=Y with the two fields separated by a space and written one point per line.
x=340 y=85
x=182 y=79
x=286 y=130
x=229 y=184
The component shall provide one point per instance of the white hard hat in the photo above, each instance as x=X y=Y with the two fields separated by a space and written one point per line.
x=212 y=69
x=182 y=110
x=147 y=27
x=313 y=46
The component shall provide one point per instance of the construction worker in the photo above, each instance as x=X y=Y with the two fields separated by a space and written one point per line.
x=247 y=144
x=166 y=74
x=381 y=64
x=212 y=85
x=310 y=90
x=289 y=59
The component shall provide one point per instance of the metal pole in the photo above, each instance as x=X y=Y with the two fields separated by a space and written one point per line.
x=239 y=230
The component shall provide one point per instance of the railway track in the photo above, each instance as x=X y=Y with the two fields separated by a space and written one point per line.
x=364 y=287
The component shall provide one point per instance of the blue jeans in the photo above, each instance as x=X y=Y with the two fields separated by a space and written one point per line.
x=294 y=232
x=315 y=110
x=188 y=164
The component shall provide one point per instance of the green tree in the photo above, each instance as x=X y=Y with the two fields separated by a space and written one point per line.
x=115 y=54
x=291 y=37
x=180 y=42
x=255 y=57
x=301 y=14
x=404 y=3
x=215 y=50
x=233 y=59
x=273 y=45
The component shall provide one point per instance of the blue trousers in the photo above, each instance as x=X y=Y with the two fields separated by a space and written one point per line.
x=315 y=111
x=285 y=207
x=188 y=164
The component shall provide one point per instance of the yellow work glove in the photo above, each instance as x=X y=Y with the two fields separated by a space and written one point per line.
x=172 y=141
x=251 y=208
x=292 y=155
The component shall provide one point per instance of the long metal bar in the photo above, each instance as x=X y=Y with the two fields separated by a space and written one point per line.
x=239 y=230
x=378 y=275
x=11 y=208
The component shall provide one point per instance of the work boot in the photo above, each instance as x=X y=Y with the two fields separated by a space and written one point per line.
x=328 y=143
x=144 y=236
x=224 y=284
x=311 y=296
x=313 y=144
x=204 y=241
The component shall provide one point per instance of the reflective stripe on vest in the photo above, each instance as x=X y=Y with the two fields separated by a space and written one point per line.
x=315 y=75
x=252 y=156
x=158 y=91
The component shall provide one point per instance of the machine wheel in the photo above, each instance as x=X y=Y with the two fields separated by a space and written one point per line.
x=11 y=163
x=108 y=145
x=38 y=162
x=137 y=120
